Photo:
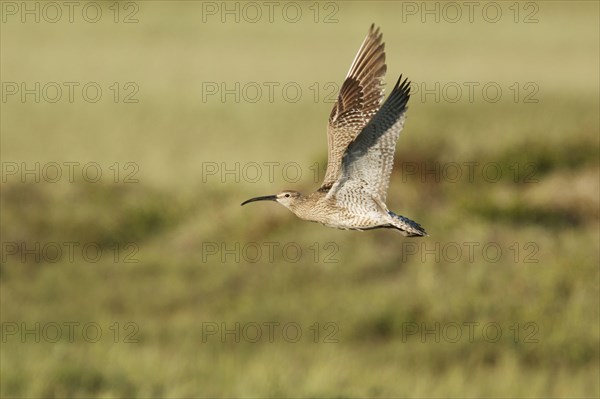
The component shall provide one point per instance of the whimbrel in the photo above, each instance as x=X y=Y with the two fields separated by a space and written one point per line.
x=362 y=137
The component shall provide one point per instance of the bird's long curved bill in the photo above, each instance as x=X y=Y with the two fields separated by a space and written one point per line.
x=263 y=198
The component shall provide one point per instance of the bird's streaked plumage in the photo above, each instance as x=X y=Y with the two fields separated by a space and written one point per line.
x=359 y=100
x=362 y=137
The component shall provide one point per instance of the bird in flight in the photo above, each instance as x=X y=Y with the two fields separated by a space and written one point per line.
x=362 y=135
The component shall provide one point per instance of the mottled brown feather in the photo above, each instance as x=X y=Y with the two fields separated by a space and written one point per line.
x=359 y=100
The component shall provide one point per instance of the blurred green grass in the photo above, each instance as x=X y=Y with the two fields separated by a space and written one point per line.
x=378 y=286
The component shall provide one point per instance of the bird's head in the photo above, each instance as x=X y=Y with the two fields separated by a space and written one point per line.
x=287 y=198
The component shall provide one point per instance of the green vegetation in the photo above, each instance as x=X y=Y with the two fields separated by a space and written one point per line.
x=500 y=301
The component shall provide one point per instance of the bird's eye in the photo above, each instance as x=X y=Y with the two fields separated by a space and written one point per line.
x=287 y=196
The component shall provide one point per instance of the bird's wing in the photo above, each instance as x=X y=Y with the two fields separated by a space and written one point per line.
x=368 y=161
x=359 y=99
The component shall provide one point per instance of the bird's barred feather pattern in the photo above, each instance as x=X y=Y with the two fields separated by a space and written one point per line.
x=359 y=100
x=368 y=161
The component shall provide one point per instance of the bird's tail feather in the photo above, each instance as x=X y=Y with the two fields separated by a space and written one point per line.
x=408 y=227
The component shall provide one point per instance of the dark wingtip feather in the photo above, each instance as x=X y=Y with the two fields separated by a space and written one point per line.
x=372 y=28
x=400 y=94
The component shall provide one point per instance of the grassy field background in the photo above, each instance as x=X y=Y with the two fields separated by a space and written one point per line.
x=192 y=295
